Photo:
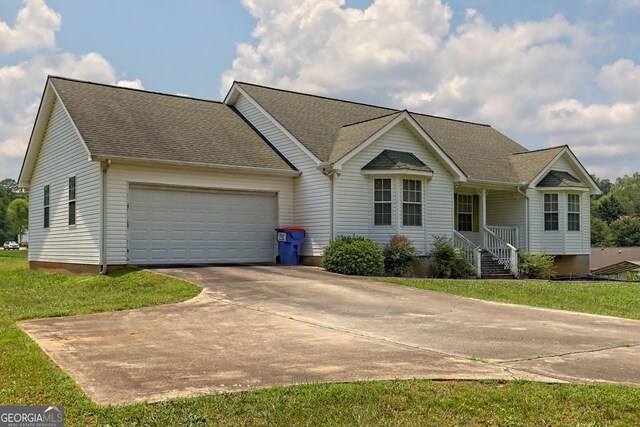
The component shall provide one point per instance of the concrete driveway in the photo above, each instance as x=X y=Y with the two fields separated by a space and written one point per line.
x=260 y=326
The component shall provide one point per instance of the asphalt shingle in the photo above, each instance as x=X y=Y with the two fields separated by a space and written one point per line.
x=331 y=128
x=120 y=122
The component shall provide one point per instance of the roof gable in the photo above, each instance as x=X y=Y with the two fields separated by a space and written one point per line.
x=118 y=122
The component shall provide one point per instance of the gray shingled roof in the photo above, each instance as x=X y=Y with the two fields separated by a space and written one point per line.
x=351 y=136
x=330 y=128
x=119 y=122
x=393 y=160
x=315 y=121
x=560 y=179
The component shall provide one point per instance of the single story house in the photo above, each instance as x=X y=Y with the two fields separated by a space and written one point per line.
x=120 y=177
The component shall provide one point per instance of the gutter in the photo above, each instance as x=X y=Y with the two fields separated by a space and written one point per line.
x=249 y=169
x=104 y=166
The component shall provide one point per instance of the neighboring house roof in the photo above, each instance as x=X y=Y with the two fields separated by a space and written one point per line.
x=117 y=122
x=617 y=268
x=393 y=160
x=603 y=257
x=560 y=179
x=330 y=128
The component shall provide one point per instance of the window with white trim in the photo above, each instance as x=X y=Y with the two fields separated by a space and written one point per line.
x=412 y=202
x=382 y=201
x=551 y=212
x=465 y=212
x=46 y=206
x=573 y=212
x=72 y=200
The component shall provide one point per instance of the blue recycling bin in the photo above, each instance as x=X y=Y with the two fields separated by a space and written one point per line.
x=289 y=245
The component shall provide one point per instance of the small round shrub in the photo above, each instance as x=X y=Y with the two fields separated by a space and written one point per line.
x=353 y=255
x=399 y=254
x=536 y=266
x=447 y=261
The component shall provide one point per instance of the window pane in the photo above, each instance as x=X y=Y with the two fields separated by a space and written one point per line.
x=382 y=214
x=573 y=223
x=465 y=222
x=551 y=221
x=46 y=195
x=412 y=206
x=46 y=217
x=411 y=214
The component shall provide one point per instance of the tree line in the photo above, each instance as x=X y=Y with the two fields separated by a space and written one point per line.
x=615 y=214
x=14 y=211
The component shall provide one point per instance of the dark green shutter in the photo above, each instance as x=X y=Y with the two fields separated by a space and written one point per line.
x=455 y=211
x=476 y=216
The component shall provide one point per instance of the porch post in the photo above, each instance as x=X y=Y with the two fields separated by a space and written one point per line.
x=483 y=217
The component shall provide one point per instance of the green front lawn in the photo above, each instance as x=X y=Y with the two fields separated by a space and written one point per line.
x=28 y=377
x=609 y=298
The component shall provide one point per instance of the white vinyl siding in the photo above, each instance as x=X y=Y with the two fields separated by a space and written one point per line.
x=508 y=208
x=354 y=210
x=312 y=188
x=62 y=155
x=119 y=177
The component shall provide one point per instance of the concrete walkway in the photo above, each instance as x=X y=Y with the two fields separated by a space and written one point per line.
x=260 y=326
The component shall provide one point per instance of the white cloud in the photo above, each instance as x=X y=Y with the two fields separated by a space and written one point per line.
x=34 y=28
x=21 y=84
x=529 y=79
x=625 y=5
x=131 y=84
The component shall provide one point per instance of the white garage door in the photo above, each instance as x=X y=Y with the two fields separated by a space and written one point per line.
x=175 y=226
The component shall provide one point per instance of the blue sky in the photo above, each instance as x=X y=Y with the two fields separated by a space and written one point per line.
x=543 y=72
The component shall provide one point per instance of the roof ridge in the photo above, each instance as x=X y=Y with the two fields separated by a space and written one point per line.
x=540 y=149
x=329 y=98
x=112 y=86
x=452 y=120
x=373 y=118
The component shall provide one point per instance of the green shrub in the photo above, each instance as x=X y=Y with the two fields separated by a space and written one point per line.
x=536 y=266
x=447 y=262
x=353 y=255
x=399 y=254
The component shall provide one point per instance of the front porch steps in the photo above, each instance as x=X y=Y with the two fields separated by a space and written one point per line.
x=491 y=269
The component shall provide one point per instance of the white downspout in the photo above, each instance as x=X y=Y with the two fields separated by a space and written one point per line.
x=327 y=170
x=526 y=217
x=104 y=166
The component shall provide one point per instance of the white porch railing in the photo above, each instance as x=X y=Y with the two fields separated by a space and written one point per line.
x=507 y=233
x=504 y=252
x=470 y=252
